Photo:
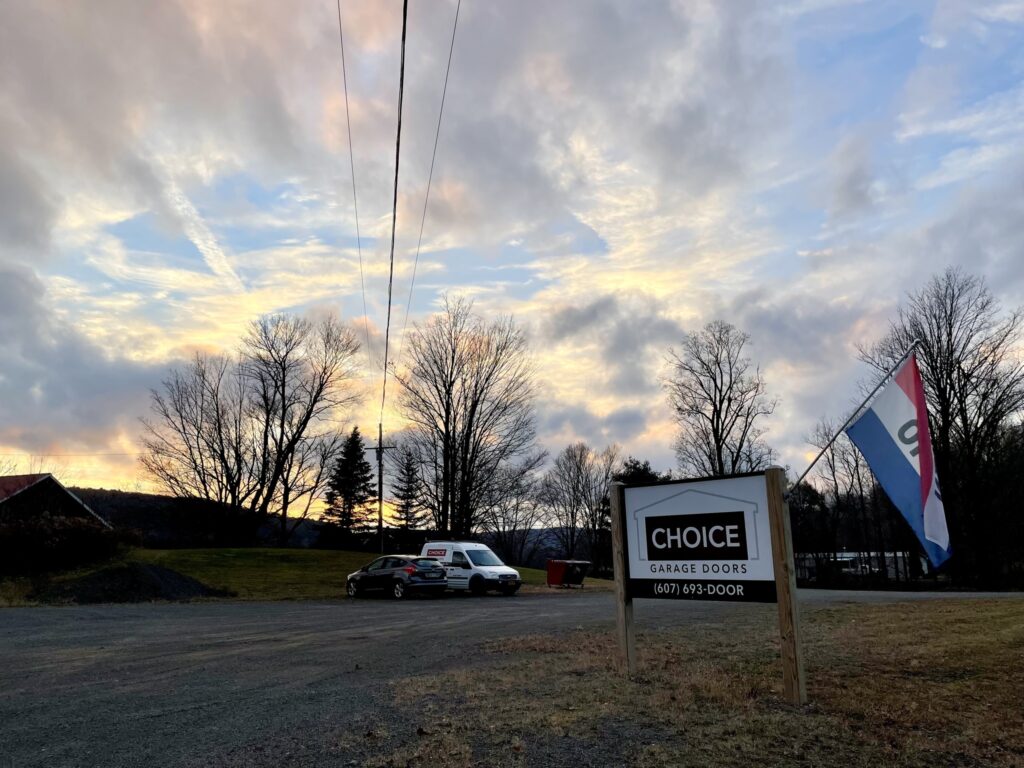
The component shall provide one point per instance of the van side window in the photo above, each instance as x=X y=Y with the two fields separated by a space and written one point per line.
x=458 y=558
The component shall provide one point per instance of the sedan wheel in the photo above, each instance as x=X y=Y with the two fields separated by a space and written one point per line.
x=352 y=589
x=398 y=590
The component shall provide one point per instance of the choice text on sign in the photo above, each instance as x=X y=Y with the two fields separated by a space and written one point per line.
x=710 y=536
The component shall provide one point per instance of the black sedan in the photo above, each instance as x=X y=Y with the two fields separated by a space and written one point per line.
x=399 y=575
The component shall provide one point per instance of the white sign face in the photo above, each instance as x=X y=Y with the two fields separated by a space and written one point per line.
x=700 y=540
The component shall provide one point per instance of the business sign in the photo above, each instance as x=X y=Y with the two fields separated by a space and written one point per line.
x=700 y=540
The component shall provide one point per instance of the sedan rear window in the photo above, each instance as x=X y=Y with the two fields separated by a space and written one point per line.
x=426 y=562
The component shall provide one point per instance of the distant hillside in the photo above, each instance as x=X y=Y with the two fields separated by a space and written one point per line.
x=165 y=521
x=542 y=545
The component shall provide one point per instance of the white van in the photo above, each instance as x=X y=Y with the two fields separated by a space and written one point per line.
x=473 y=567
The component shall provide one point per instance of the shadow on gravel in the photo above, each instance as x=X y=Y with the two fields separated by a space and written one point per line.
x=130 y=583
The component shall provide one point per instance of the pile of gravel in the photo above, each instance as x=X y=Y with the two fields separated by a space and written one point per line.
x=130 y=583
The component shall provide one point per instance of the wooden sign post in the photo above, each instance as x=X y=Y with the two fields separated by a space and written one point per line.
x=623 y=600
x=794 y=686
x=720 y=538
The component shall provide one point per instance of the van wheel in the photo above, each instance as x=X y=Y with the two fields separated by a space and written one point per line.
x=477 y=586
x=352 y=589
x=398 y=590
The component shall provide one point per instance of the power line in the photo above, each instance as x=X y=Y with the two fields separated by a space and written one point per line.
x=355 y=199
x=391 y=281
x=64 y=455
x=394 y=208
x=430 y=177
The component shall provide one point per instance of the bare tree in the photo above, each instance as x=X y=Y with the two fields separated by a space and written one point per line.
x=597 y=520
x=843 y=472
x=299 y=373
x=719 y=401
x=565 y=496
x=973 y=373
x=39 y=464
x=575 y=492
x=305 y=479
x=844 y=508
x=969 y=357
x=468 y=393
x=199 y=443
x=8 y=466
x=254 y=433
x=514 y=511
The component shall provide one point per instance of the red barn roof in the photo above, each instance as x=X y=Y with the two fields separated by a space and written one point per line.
x=12 y=484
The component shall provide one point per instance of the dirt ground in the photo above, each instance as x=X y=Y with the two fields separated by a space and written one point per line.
x=526 y=681
x=913 y=684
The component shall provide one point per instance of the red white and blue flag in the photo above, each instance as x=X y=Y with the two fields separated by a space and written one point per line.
x=893 y=435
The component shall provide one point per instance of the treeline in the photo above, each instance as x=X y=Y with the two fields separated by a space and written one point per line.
x=536 y=510
x=970 y=355
x=570 y=502
x=258 y=432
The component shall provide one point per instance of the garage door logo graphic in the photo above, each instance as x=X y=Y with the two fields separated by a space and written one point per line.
x=696 y=525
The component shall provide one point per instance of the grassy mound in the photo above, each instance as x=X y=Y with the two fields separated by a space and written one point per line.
x=264 y=574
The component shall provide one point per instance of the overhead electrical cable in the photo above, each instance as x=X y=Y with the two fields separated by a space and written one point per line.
x=430 y=177
x=30 y=455
x=355 y=199
x=394 y=208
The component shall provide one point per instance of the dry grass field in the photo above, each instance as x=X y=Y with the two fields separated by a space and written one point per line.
x=909 y=684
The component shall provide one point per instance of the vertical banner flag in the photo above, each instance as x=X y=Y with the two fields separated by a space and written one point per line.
x=894 y=438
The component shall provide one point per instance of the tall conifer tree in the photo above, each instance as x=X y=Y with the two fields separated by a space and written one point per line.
x=410 y=511
x=350 y=490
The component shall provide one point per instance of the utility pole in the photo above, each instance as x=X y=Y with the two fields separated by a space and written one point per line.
x=380 y=448
x=380 y=484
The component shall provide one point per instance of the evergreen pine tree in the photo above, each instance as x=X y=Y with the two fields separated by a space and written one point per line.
x=350 y=489
x=409 y=510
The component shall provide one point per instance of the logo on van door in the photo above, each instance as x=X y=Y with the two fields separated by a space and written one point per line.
x=436 y=552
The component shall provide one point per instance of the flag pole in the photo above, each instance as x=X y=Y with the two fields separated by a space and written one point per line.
x=853 y=417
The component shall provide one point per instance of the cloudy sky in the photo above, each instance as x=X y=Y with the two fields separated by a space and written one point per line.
x=612 y=174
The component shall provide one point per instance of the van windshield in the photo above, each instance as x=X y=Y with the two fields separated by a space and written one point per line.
x=483 y=557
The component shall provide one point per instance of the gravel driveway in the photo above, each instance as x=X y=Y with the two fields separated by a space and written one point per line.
x=275 y=684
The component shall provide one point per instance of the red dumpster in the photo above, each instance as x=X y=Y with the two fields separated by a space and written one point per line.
x=567 y=573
